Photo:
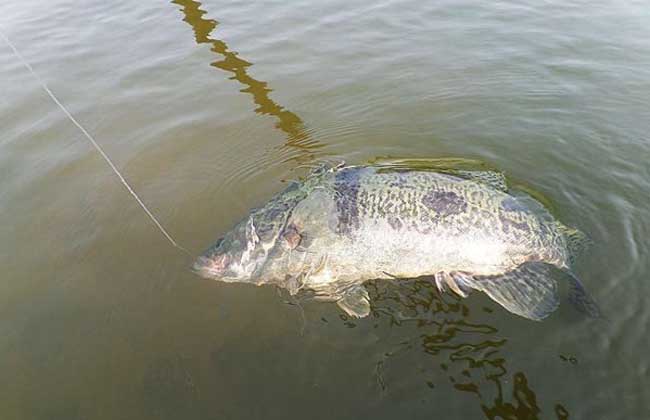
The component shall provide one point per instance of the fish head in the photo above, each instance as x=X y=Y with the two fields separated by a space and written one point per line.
x=240 y=255
x=236 y=256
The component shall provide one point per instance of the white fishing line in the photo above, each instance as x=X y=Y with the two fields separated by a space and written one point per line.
x=94 y=143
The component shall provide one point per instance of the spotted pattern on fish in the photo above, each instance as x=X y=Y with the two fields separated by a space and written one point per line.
x=444 y=203
x=400 y=180
x=509 y=204
x=346 y=187
x=509 y=225
x=395 y=222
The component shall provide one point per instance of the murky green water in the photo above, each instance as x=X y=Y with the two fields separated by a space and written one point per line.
x=207 y=108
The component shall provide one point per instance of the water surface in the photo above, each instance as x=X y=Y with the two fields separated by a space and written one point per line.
x=208 y=108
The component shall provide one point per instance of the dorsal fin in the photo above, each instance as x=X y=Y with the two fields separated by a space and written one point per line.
x=470 y=169
x=494 y=179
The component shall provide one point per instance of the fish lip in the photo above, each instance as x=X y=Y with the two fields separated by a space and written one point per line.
x=203 y=267
x=199 y=264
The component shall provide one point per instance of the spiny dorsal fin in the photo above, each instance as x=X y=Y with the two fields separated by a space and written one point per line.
x=470 y=169
x=493 y=179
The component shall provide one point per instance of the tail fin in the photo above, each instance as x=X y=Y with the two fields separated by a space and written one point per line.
x=581 y=300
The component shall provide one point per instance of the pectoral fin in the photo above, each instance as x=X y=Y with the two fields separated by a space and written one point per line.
x=529 y=290
x=355 y=302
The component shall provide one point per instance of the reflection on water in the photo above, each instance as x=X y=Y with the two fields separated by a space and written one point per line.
x=468 y=353
x=298 y=138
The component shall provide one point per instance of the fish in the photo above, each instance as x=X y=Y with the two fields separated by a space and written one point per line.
x=344 y=225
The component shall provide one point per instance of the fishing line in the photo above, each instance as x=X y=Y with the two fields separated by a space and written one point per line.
x=94 y=143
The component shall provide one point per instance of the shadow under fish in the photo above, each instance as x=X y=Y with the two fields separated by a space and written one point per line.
x=344 y=225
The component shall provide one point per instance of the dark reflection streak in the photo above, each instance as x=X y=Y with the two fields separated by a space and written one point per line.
x=471 y=351
x=298 y=138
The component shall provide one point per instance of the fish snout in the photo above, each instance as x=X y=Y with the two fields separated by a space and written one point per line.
x=211 y=267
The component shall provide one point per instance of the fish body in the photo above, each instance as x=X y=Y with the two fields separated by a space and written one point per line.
x=343 y=226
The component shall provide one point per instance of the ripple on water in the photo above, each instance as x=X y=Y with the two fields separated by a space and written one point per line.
x=207 y=106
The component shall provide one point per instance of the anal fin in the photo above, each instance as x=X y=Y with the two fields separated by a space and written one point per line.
x=529 y=290
x=355 y=302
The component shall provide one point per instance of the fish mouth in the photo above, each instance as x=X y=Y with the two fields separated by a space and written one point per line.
x=210 y=268
x=201 y=267
x=216 y=268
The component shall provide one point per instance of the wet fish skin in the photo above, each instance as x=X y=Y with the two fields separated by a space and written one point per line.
x=343 y=226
